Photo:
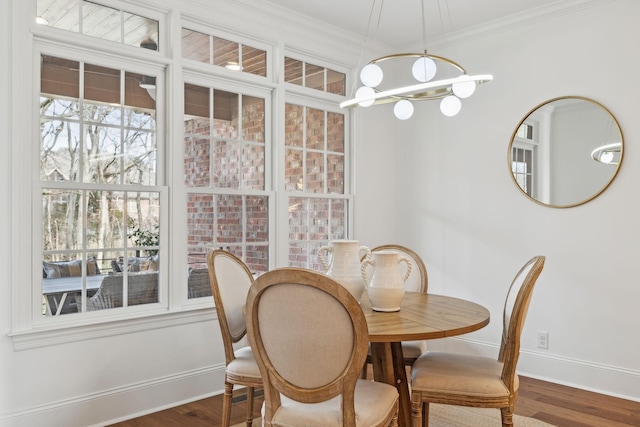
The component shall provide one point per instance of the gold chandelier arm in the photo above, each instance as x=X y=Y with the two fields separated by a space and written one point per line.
x=420 y=55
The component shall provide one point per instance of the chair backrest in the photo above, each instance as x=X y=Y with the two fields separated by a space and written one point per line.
x=309 y=336
x=142 y=288
x=514 y=315
x=418 y=280
x=230 y=280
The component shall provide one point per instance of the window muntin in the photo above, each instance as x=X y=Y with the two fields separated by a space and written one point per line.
x=97 y=141
x=201 y=47
x=314 y=76
x=96 y=20
x=224 y=171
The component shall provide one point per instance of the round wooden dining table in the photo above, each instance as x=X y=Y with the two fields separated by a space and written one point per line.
x=421 y=317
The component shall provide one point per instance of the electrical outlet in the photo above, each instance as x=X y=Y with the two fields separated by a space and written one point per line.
x=543 y=339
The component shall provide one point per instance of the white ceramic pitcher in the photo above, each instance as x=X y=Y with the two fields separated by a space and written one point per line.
x=344 y=264
x=386 y=288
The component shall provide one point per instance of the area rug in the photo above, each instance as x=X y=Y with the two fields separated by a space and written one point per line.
x=459 y=416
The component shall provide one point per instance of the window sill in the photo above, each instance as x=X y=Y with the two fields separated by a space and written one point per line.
x=61 y=334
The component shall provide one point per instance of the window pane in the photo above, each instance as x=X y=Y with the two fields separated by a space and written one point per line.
x=140 y=31
x=66 y=18
x=314 y=176
x=59 y=150
x=336 y=82
x=101 y=84
x=293 y=70
x=225 y=114
x=319 y=219
x=257 y=222
x=254 y=61
x=196 y=162
x=253 y=167
x=315 y=129
x=226 y=164
x=101 y=21
x=196 y=46
x=253 y=119
x=335 y=132
x=229 y=217
x=60 y=76
x=61 y=219
x=257 y=258
x=338 y=219
x=335 y=174
x=225 y=52
x=314 y=76
x=294 y=125
x=298 y=213
x=293 y=171
x=200 y=221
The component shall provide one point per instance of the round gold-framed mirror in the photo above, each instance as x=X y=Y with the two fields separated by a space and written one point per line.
x=565 y=151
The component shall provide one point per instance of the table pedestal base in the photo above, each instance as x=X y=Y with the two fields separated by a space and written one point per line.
x=388 y=367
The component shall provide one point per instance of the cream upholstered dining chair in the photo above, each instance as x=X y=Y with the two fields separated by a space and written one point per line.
x=309 y=337
x=418 y=281
x=230 y=280
x=466 y=380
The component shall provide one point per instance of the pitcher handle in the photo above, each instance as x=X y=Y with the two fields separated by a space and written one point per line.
x=408 y=263
x=367 y=253
x=321 y=257
x=363 y=268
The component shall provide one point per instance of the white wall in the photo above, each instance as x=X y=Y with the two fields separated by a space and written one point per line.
x=463 y=213
x=438 y=185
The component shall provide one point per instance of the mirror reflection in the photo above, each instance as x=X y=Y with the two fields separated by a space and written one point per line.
x=565 y=151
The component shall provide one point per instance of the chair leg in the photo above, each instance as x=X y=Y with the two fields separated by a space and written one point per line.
x=507 y=416
x=425 y=414
x=226 y=404
x=416 y=410
x=249 y=406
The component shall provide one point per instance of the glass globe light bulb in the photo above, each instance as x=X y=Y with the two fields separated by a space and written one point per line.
x=424 y=69
x=403 y=109
x=365 y=92
x=450 y=106
x=606 y=157
x=371 y=75
x=464 y=88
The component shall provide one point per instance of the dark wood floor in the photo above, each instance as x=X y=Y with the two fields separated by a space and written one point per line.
x=555 y=404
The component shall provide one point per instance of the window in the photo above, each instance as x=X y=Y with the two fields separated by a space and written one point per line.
x=217 y=51
x=100 y=210
x=99 y=21
x=523 y=158
x=224 y=172
x=314 y=181
x=314 y=76
x=103 y=195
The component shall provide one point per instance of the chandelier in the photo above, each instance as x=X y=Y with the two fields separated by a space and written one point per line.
x=609 y=154
x=435 y=78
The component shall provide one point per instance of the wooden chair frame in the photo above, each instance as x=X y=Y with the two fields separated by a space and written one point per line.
x=507 y=356
x=229 y=339
x=274 y=383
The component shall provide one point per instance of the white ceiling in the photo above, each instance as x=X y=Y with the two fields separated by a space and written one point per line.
x=401 y=20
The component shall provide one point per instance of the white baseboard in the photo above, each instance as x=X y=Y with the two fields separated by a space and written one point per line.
x=111 y=406
x=585 y=375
